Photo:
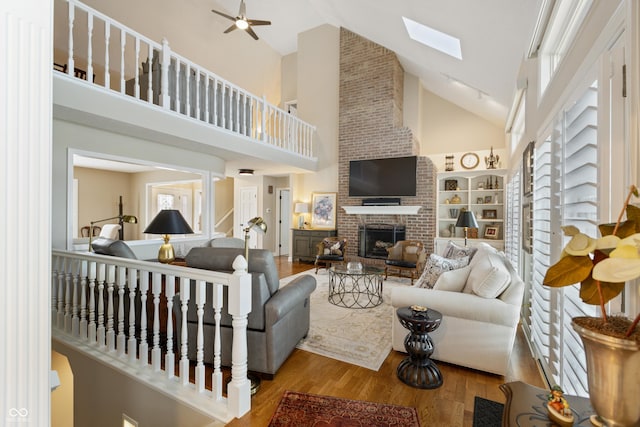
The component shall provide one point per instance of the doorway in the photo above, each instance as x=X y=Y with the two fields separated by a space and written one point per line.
x=283 y=222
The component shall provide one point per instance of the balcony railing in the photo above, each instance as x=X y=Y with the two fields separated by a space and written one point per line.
x=107 y=53
x=120 y=311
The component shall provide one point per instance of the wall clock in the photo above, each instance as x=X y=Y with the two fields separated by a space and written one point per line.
x=469 y=160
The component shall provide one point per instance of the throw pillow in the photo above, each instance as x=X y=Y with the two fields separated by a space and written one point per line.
x=453 y=280
x=336 y=249
x=436 y=265
x=489 y=275
x=452 y=250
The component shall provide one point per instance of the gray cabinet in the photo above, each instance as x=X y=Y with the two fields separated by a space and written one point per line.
x=305 y=243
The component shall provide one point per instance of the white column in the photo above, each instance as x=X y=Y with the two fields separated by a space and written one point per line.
x=25 y=159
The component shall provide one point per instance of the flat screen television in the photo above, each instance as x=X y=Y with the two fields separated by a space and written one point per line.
x=391 y=177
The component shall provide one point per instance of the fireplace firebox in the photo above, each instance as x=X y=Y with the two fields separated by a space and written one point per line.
x=374 y=239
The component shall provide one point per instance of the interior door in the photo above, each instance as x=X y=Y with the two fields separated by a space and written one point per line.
x=284 y=220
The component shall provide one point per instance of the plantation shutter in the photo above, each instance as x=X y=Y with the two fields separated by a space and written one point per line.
x=513 y=226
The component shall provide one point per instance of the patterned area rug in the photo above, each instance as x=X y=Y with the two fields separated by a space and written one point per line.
x=302 y=409
x=360 y=336
x=487 y=413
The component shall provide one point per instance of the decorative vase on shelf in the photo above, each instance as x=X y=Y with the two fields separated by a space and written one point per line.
x=613 y=370
x=456 y=199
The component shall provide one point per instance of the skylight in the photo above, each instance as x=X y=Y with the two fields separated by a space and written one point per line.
x=433 y=38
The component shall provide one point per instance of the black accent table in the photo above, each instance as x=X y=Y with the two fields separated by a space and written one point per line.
x=417 y=369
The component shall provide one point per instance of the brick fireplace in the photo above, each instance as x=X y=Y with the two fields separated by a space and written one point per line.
x=370 y=127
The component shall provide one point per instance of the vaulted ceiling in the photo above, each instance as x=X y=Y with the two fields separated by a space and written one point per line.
x=494 y=37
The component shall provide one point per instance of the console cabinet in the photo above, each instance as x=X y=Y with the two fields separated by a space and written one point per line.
x=480 y=191
x=305 y=243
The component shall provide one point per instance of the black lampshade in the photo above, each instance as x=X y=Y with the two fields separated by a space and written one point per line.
x=169 y=221
x=467 y=219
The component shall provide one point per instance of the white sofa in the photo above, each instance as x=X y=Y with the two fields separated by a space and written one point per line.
x=477 y=332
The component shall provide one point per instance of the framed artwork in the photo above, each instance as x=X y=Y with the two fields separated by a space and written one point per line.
x=450 y=184
x=491 y=232
x=489 y=214
x=479 y=201
x=472 y=233
x=323 y=211
x=488 y=199
x=527 y=170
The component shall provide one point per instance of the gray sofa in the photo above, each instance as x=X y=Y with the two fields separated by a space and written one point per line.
x=279 y=318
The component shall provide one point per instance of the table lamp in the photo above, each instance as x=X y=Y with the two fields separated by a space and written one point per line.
x=467 y=220
x=131 y=219
x=301 y=209
x=168 y=221
x=256 y=224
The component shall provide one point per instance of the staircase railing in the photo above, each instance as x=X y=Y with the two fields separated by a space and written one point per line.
x=120 y=311
x=120 y=59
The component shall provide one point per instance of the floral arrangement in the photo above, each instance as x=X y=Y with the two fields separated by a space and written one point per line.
x=602 y=266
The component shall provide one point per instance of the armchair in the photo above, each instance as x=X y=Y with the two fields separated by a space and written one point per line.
x=406 y=256
x=330 y=250
x=279 y=318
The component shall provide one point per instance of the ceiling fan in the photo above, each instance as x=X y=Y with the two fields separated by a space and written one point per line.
x=241 y=21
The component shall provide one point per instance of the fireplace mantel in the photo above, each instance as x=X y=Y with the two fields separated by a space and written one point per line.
x=381 y=210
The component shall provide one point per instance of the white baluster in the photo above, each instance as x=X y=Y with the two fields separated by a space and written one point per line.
x=61 y=294
x=169 y=357
x=216 y=376
x=198 y=94
x=75 y=308
x=111 y=278
x=187 y=83
x=121 y=337
x=132 y=342
x=68 y=281
x=123 y=43
x=107 y=37
x=70 y=61
x=144 y=291
x=83 y=299
x=177 y=91
x=185 y=290
x=150 y=97
x=136 y=77
x=207 y=100
x=156 y=288
x=100 y=328
x=235 y=125
x=215 y=102
x=244 y=114
x=239 y=305
x=90 y=48
x=55 y=264
x=199 y=371
x=164 y=74
x=223 y=119
x=91 y=333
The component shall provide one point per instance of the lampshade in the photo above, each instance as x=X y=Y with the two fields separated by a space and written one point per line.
x=168 y=221
x=301 y=208
x=467 y=219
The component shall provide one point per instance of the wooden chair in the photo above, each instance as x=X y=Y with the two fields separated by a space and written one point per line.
x=330 y=250
x=406 y=259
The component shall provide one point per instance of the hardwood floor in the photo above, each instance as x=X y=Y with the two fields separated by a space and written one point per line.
x=449 y=405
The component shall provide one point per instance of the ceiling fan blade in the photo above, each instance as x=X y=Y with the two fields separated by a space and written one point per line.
x=243 y=9
x=258 y=22
x=231 y=28
x=251 y=33
x=224 y=14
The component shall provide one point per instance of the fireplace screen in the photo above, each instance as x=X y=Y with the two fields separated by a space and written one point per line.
x=374 y=239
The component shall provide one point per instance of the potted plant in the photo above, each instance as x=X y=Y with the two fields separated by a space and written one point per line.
x=612 y=343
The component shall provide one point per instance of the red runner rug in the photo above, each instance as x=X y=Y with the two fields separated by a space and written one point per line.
x=311 y=410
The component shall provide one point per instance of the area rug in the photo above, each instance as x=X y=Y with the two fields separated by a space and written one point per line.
x=302 y=410
x=487 y=413
x=354 y=335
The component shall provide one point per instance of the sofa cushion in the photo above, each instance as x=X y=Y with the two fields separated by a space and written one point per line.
x=455 y=251
x=489 y=276
x=436 y=265
x=453 y=280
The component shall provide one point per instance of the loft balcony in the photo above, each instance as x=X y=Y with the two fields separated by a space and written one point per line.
x=108 y=76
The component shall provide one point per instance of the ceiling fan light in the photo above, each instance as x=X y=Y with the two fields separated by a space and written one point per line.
x=242 y=24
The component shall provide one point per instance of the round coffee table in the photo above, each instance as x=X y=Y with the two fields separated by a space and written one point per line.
x=417 y=369
x=355 y=288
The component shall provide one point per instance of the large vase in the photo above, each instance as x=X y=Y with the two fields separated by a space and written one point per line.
x=613 y=371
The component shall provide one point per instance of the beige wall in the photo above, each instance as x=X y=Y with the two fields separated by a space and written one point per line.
x=62 y=397
x=318 y=98
x=222 y=206
x=290 y=77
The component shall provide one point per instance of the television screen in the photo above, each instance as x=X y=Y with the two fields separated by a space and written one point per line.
x=392 y=177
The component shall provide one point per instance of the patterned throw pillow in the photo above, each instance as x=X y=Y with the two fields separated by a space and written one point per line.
x=436 y=265
x=454 y=251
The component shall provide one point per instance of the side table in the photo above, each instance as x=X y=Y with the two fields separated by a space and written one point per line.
x=526 y=406
x=417 y=369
